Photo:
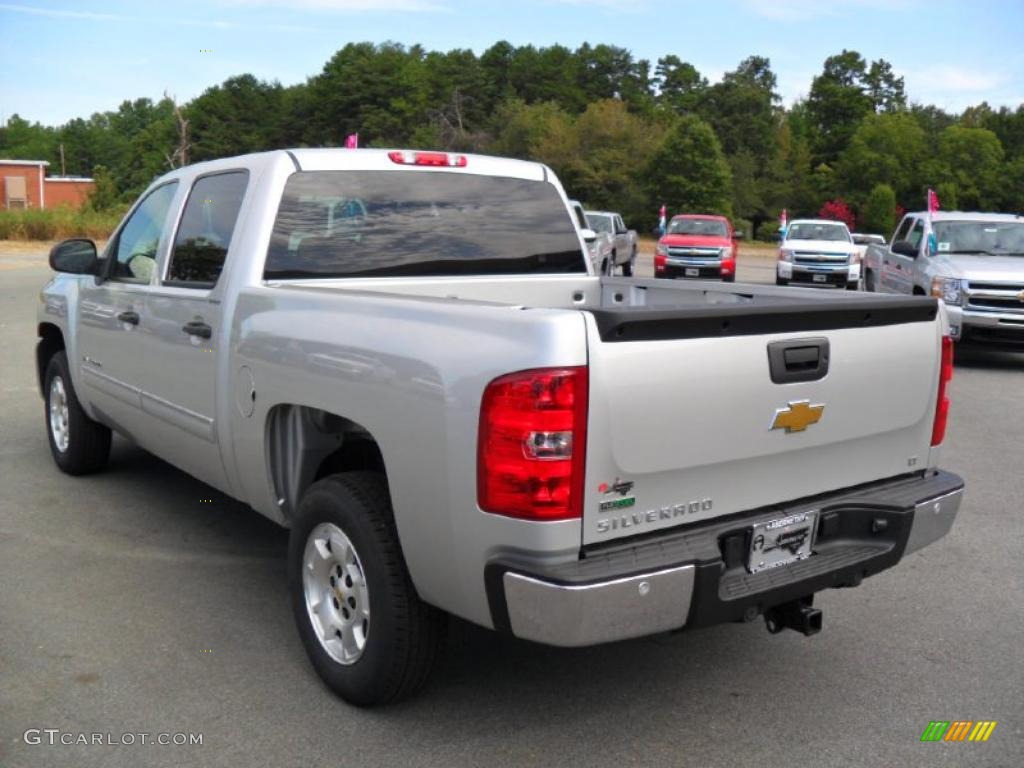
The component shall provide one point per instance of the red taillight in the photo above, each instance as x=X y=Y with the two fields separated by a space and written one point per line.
x=532 y=444
x=439 y=159
x=942 y=404
x=659 y=262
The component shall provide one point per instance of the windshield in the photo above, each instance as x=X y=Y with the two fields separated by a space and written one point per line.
x=423 y=223
x=705 y=227
x=600 y=223
x=999 y=238
x=809 y=230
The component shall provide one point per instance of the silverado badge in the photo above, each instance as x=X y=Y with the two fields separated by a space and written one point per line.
x=797 y=416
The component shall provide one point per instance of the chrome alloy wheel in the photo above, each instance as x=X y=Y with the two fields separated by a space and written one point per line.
x=59 y=414
x=337 y=599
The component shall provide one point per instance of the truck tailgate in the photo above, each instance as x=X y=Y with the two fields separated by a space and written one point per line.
x=686 y=422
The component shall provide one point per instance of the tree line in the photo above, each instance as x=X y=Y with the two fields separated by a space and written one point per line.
x=620 y=132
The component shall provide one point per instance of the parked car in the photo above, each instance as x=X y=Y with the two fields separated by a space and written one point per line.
x=974 y=262
x=452 y=413
x=697 y=246
x=818 y=252
x=599 y=244
x=624 y=245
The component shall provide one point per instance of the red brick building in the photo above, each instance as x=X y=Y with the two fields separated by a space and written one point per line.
x=24 y=184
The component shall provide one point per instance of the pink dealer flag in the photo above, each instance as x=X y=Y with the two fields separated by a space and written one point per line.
x=352 y=141
x=933 y=201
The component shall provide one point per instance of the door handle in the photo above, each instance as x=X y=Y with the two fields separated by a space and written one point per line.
x=129 y=317
x=198 y=328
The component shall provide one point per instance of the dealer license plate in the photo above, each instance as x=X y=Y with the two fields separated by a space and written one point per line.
x=781 y=541
x=692 y=272
x=819 y=278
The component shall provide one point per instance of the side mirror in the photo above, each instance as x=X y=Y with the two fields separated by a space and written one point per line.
x=74 y=257
x=905 y=248
x=589 y=235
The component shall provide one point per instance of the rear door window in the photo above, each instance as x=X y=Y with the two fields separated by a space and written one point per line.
x=206 y=228
x=419 y=223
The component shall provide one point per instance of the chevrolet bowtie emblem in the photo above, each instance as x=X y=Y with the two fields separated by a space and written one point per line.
x=797 y=416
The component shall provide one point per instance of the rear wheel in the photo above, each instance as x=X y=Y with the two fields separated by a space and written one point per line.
x=781 y=281
x=853 y=286
x=869 y=280
x=366 y=631
x=78 y=444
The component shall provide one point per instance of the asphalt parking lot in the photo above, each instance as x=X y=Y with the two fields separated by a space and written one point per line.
x=141 y=601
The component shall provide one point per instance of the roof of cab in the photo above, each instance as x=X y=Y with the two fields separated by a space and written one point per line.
x=340 y=159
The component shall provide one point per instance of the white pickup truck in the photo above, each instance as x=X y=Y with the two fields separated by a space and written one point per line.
x=624 y=241
x=406 y=358
x=974 y=262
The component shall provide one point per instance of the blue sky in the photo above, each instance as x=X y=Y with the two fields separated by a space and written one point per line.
x=61 y=59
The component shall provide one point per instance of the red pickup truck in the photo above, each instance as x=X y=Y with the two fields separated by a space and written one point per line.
x=697 y=246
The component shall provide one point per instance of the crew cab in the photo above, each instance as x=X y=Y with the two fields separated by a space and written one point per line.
x=406 y=358
x=818 y=252
x=624 y=241
x=697 y=246
x=974 y=262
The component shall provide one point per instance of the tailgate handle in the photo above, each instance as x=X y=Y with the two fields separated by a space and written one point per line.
x=798 y=360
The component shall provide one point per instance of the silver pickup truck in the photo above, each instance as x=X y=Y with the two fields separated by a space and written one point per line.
x=406 y=358
x=974 y=262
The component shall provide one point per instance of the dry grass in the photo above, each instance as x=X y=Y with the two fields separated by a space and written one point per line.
x=57 y=224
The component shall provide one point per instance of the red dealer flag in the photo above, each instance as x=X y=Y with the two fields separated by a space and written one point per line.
x=933 y=201
x=352 y=141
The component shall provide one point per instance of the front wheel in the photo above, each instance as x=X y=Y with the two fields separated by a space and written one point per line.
x=78 y=444
x=628 y=267
x=366 y=631
x=853 y=286
x=781 y=281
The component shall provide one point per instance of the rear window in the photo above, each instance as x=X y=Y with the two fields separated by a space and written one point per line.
x=419 y=223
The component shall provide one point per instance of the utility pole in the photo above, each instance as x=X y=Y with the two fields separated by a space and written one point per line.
x=63 y=171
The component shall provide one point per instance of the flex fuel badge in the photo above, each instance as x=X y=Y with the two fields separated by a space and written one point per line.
x=617 y=495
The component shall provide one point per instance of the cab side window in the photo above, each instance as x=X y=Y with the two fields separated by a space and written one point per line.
x=136 y=247
x=914 y=238
x=206 y=228
x=901 y=233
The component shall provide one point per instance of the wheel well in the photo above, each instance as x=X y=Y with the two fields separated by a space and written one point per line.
x=306 y=444
x=51 y=341
x=919 y=291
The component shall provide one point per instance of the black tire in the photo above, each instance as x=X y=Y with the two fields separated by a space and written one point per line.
x=869 y=284
x=627 y=269
x=781 y=281
x=604 y=267
x=404 y=639
x=729 y=278
x=88 y=441
x=855 y=285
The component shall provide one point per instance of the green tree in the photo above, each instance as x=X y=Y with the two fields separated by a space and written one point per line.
x=241 y=115
x=972 y=159
x=949 y=196
x=680 y=86
x=887 y=148
x=689 y=172
x=878 y=214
